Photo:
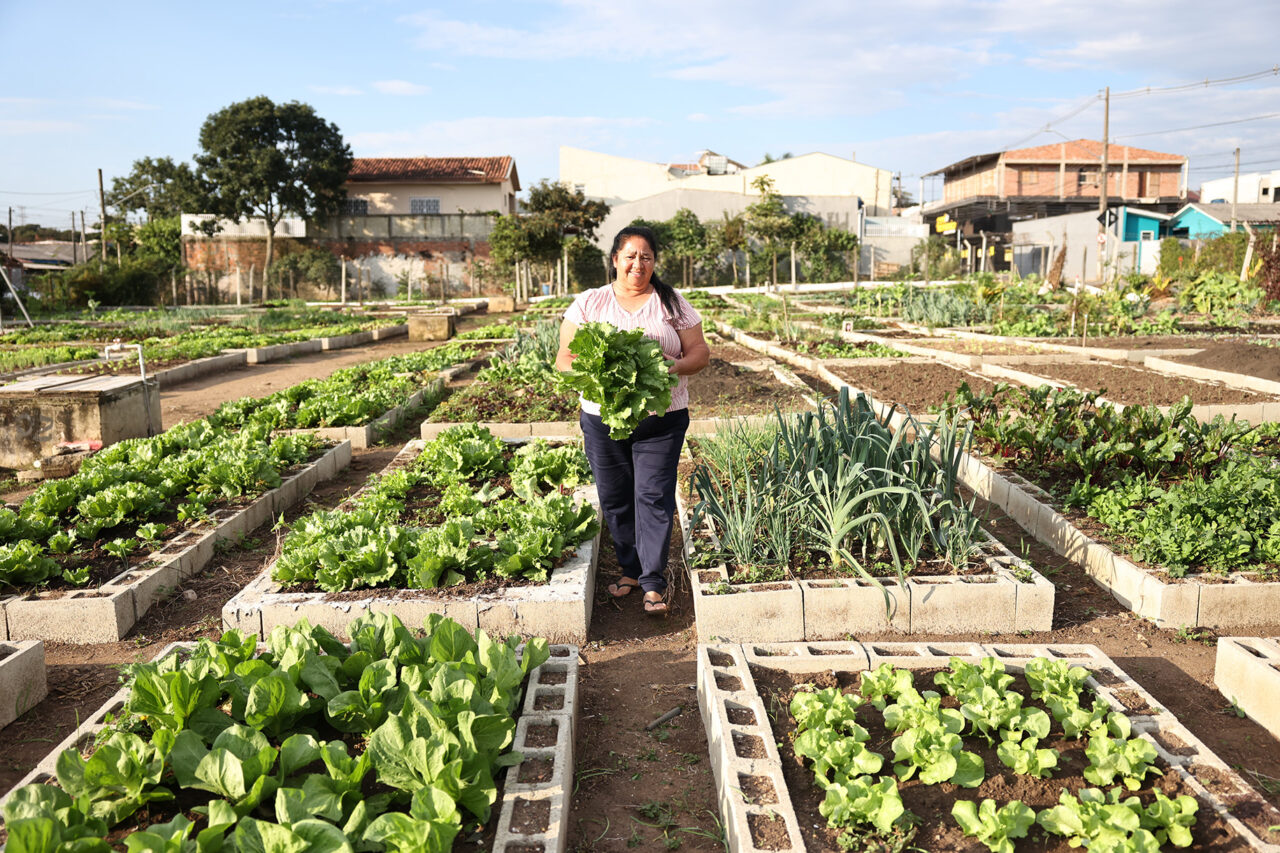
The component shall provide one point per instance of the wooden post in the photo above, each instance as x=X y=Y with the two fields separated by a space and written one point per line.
x=102 y=205
x=1102 y=183
x=251 y=269
x=344 y=280
x=793 y=264
x=84 y=237
x=74 y=258
x=1235 y=190
x=239 y=301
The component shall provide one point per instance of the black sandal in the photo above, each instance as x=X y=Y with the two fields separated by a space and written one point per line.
x=616 y=589
x=657 y=609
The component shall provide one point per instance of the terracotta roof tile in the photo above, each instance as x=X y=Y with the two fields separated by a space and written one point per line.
x=436 y=170
x=1087 y=149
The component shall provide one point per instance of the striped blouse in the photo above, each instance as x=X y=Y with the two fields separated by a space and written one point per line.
x=599 y=305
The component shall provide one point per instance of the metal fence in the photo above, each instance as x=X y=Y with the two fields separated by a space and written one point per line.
x=417 y=226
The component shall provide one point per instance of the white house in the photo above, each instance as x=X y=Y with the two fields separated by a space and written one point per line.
x=1254 y=188
x=425 y=185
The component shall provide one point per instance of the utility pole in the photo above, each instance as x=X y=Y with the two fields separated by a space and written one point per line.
x=102 y=205
x=1102 y=182
x=1235 y=190
x=84 y=237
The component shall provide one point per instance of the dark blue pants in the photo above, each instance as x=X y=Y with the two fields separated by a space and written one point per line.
x=636 y=482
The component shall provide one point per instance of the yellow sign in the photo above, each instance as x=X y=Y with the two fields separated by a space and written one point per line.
x=1008 y=256
x=945 y=224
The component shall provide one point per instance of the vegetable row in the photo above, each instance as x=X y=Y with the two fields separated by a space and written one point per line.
x=468 y=508
x=314 y=746
x=978 y=700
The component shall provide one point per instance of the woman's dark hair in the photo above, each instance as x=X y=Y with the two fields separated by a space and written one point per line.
x=666 y=292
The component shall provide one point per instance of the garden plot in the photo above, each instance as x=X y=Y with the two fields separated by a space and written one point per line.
x=770 y=798
x=1252 y=363
x=466 y=526
x=913 y=386
x=355 y=403
x=505 y=706
x=826 y=524
x=1172 y=516
x=1247 y=671
x=135 y=579
x=1134 y=385
x=23 y=684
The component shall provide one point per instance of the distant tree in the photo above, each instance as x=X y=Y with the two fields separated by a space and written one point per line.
x=688 y=239
x=769 y=158
x=768 y=221
x=31 y=232
x=730 y=235
x=901 y=197
x=569 y=210
x=272 y=160
x=825 y=253
x=160 y=187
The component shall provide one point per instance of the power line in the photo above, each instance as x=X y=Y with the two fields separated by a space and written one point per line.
x=1199 y=84
x=1093 y=99
x=1199 y=126
x=21 y=192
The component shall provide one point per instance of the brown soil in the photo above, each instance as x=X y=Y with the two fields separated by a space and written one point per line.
x=932 y=803
x=1136 y=385
x=724 y=389
x=726 y=351
x=914 y=387
x=1238 y=357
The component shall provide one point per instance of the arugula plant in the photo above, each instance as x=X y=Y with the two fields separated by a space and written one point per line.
x=623 y=372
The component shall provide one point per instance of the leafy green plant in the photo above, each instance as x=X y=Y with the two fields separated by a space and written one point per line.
x=624 y=372
x=1128 y=759
x=994 y=826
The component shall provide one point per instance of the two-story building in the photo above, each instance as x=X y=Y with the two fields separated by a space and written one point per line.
x=988 y=192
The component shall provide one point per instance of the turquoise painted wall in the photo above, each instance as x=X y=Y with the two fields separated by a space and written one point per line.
x=1135 y=222
x=1196 y=224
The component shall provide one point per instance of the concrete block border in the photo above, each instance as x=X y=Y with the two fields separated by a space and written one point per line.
x=1231 y=380
x=23 y=683
x=544 y=779
x=545 y=739
x=105 y=614
x=1237 y=601
x=559 y=610
x=1012 y=596
x=1247 y=672
x=737 y=726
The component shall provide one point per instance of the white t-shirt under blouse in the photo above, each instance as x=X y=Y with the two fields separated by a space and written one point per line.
x=599 y=305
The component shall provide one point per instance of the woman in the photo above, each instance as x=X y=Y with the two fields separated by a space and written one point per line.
x=636 y=477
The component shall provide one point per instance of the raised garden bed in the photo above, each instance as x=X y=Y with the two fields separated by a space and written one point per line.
x=769 y=800
x=912 y=386
x=845 y=529
x=1133 y=385
x=532 y=796
x=558 y=608
x=23 y=684
x=1247 y=671
x=1188 y=587
x=106 y=612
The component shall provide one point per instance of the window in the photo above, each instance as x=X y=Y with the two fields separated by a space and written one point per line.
x=1146 y=235
x=580 y=188
x=424 y=205
x=1085 y=177
x=355 y=206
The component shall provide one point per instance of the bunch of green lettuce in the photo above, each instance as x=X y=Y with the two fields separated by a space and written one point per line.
x=624 y=372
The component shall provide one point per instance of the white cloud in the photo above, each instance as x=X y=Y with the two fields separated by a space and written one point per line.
x=697 y=117
x=122 y=104
x=23 y=127
x=400 y=87
x=336 y=90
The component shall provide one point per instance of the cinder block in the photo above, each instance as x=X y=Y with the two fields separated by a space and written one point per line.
x=85 y=616
x=751 y=613
x=949 y=605
x=558 y=614
x=1238 y=604
x=836 y=609
x=809 y=656
x=555 y=429
x=501 y=304
x=151 y=585
x=23 y=683
x=290 y=608
x=1247 y=671
x=551 y=683
x=430 y=327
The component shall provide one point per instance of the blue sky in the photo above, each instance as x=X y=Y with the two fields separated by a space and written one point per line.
x=909 y=85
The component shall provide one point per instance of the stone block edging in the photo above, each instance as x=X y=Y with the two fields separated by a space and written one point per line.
x=202 y=367
x=559 y=610
x=1011 y=597
x=364 y=437
x=1241 y=381
x=106 y=614
x=733 y=714
x=560 y=671
x=1247 y=672
x=23 y=683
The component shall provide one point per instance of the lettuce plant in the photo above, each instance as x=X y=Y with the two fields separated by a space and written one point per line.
x=624 y=373
x=994 y=827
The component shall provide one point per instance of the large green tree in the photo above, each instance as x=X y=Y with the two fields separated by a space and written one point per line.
x=569 y=210
x=160 y=187
x=272 y=160
x=688 y=242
